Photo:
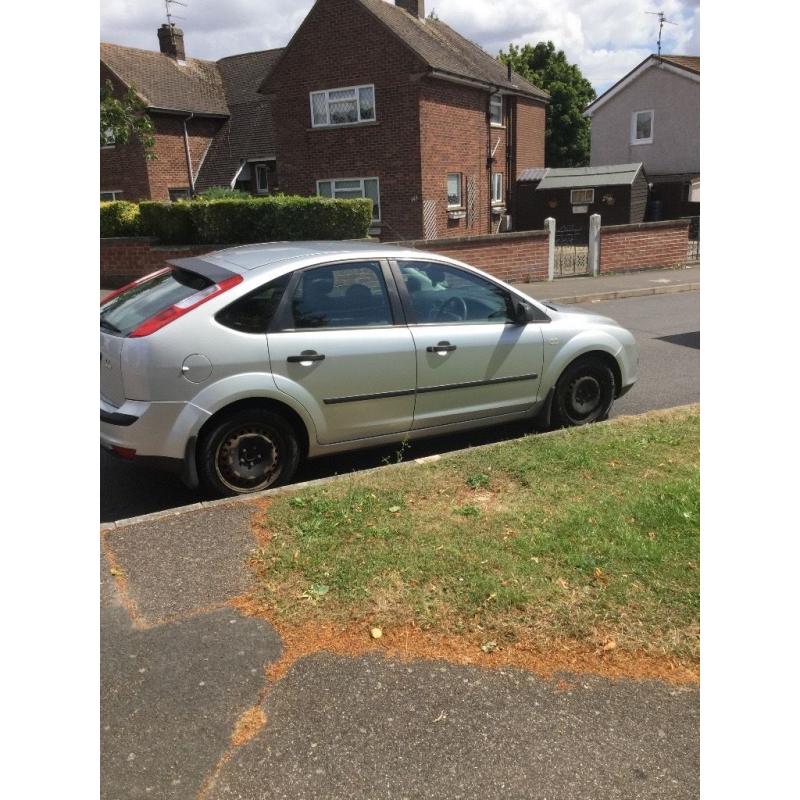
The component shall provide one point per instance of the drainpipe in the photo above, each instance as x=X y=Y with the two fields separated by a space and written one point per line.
x=188 y=153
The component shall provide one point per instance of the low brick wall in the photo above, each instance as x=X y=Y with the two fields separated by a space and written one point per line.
x=512 y=257
x=124 y=260
x=644 y=245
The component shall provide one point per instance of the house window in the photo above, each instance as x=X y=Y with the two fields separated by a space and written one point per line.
x=351 y=188
x=497 y=188
x=454 y=190
x=496 y=109
x=642 y=127
x=347 y=106
x=112 y=195
x=581 y=197
x=178 y=194
x=108 y=139
x=262 y=179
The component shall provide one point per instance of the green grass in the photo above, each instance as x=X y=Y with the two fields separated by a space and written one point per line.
x=586 y=534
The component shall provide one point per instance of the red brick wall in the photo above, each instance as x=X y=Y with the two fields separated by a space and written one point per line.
x=455 y=138
x=646 y=245
x=530 y=130
x=512 y=257
x=169 y=170
x=123 y=167
x=341 y=44
x=125 y=259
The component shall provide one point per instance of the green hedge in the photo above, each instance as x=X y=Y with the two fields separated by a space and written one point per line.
x=262 y=219
x=119 y=218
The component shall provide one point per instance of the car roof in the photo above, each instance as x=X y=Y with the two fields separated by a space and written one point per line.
x=255 y=257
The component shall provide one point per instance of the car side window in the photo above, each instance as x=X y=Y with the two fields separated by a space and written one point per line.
x=347 y=295
x=444 y=294
x=253 y=312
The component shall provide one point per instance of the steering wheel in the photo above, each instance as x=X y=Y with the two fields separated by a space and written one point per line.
x=458 y=310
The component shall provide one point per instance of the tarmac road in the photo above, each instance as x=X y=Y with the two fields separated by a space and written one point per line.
x=667 y=328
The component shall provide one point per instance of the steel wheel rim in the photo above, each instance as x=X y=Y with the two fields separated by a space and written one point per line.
x=585 y=396
x=248 y=459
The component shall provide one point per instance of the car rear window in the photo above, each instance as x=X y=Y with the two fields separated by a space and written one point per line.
x=253 y=312
x=140 y=302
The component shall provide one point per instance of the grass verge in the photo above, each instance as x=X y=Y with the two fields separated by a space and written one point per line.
x=586 y=538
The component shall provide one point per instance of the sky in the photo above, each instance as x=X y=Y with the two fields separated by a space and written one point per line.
x=606 y=38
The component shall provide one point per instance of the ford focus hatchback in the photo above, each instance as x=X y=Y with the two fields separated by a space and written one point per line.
x=232 y=367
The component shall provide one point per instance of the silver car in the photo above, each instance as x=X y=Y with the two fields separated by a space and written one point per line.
x=232 y=367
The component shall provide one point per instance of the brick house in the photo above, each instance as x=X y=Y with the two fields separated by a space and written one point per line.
x=369 y=98
x=375 y=99
x=212 y=127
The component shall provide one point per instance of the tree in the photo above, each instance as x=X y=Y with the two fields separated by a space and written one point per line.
x=123 y=119
x=567 y=141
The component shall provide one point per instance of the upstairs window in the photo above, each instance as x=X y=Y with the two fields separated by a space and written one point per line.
x=347 y=106
x=352 y=188
x=642 y=127
x=496 y=109
x=454 y=190
x=497 y=188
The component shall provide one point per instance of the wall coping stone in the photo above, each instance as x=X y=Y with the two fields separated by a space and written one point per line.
x=484 y=238
x=644 y=226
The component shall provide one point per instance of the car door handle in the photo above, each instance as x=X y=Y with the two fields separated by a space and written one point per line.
x=442 y=347
x=307 y=356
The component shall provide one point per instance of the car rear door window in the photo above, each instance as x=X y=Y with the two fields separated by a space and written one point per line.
x=253 y=312
x=347 y=295
x=440 y=293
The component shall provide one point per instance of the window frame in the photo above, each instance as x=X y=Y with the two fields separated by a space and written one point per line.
x=109 y=140
x=356 y=91
x=634 y=119
x=498 y=200
x=113 y=193
x=458 y=206
x=375 y=178
x=177 y=189
x=492 y=105
x=584 y=202
x=282 y=319
x=261 y=166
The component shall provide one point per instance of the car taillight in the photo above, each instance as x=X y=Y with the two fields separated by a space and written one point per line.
x=130 y=285
x=186 y=305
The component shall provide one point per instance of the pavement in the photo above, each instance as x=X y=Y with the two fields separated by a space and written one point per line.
x=181 y=669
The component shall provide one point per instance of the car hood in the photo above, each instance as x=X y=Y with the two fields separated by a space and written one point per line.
x=584 y=314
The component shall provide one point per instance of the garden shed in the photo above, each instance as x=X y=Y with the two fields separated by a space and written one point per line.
x=618 y=192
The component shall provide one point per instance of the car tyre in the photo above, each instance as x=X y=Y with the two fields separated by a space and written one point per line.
x=584 y=393
x=247 y=451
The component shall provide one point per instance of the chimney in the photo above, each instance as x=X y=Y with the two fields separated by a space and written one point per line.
x=170 y=42
x=414 y=7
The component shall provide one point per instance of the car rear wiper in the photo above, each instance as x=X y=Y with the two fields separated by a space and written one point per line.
x=106 y=325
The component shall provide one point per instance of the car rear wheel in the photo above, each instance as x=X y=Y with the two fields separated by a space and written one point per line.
x=248 y=451
x=584 y=393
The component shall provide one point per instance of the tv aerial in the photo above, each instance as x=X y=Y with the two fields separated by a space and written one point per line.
x=168 y=5
x=662 y=20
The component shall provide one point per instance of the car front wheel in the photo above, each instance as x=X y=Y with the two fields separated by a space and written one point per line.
x=584 y=393
x=248 y=451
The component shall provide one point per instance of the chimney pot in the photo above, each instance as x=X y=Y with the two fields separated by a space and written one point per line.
x=414 y=7
x=170 y=42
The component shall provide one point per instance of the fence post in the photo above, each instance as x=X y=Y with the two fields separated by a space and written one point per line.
x=550 y=227
x=594 y=244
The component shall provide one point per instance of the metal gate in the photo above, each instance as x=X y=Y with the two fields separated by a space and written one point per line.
x=572 y=252
x=693 y=254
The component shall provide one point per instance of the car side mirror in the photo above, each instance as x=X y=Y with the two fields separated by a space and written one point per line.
x=523 y=314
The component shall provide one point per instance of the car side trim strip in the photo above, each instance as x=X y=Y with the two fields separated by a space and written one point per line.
x=330 y=401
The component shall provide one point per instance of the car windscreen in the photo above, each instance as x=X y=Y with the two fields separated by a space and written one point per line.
x=141 y=301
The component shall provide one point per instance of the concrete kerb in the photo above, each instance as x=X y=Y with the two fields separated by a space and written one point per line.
x=623 y=293
x=296 y=487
